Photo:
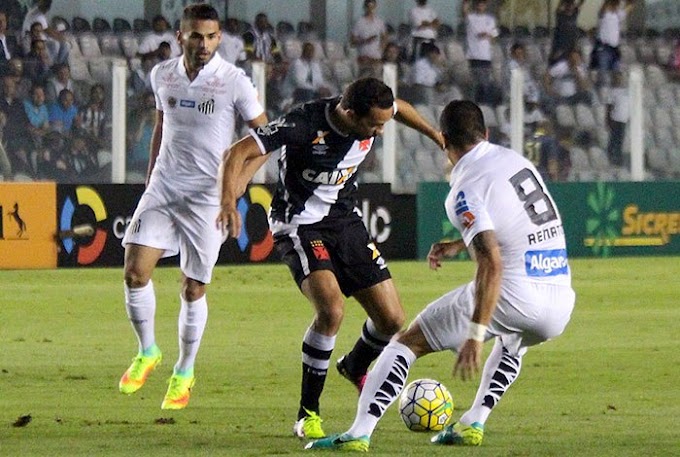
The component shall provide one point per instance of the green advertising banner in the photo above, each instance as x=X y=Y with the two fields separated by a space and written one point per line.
x=601 y=219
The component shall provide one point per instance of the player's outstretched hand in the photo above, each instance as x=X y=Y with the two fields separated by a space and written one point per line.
x=443 y=249
x=469 y=360
x=229 y=221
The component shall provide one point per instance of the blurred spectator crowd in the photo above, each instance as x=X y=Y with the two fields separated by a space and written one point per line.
x=55 y=86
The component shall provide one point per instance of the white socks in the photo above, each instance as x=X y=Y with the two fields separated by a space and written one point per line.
x=140 y=305
x=191 y=324
x=500 y=371
x=383 y=385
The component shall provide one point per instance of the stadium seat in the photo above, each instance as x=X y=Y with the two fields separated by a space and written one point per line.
x=74 y=46
x=663 y=54
x=661 y=118
x=454 y=52
x=645 y=51
x=657 y=160
x=674 y=160
x=344 y=73
x=100 y=25
x=319 y=53
x=666 y=96
x=579 y=159
x=675 y=116
x=585 y=119
x=409 y=138
x=655 y=76
x=534 y=54
x=79 y=70
x=80 y=25
x=100 y=69
x=129 y=44
x=565 y=116
x=121 y=25
x=627 y=54
x=109 y=45
x=89 y=45
x=60 y=23
x=598 y=159
x=334 y=50
x=489 y=116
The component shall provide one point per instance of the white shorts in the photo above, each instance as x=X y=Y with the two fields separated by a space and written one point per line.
x=527 y=314
x=176 y=224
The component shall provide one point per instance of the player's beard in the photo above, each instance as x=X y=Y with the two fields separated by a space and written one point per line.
x=200 y=59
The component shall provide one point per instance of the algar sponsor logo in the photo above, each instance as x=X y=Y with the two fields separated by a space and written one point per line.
x=546 y=262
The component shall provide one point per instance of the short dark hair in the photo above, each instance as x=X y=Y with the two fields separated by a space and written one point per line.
x=366 y=93
x=462 y=123
x=200 y=12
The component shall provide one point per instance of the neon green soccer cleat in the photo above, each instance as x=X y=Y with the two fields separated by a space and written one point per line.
x=309 y=427
x=179 y=391
x=135 y=376
x=460 y=434
x=341 y=443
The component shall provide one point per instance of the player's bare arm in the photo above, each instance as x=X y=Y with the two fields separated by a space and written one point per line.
x=443 y=249
x=409 y=116
x=155 y=145
x=234 y=169
x=252 y=165
x=487 y=290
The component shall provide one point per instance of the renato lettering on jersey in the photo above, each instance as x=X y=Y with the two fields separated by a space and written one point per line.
x=335 y=177
x=544 y=263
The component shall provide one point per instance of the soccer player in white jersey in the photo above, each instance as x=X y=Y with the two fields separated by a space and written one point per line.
x=521 y=295
x=197 y=97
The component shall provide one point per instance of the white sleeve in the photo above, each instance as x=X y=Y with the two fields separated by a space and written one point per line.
x=247 y=103
x=154 y=88
x=472 y=214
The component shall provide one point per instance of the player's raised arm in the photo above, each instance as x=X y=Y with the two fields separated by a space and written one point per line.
x=409 y=116
x=239 y=164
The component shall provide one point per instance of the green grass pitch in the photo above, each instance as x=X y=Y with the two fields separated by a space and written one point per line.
x=608 y=387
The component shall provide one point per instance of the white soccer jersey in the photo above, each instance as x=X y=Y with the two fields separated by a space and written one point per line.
x=198 y=122
x=494 y=188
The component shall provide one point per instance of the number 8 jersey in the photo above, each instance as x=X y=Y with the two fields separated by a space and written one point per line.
x=494 y=188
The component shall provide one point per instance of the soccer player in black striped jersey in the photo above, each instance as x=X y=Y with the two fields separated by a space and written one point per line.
x=317 y=228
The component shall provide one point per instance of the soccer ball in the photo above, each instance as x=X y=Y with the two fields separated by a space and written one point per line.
x=426 y=405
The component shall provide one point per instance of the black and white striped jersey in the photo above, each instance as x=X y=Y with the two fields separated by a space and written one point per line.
x=317 y=168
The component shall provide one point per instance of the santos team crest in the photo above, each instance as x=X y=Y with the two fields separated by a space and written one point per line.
x=207 y=107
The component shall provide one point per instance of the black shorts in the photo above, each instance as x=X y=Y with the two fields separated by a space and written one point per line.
x=341 y=246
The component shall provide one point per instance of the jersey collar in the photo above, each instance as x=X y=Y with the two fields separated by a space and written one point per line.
x=330 y=106
x=469 y=158
x=207 y=69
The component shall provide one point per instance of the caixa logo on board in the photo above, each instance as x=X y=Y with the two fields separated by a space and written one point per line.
x=86 y=210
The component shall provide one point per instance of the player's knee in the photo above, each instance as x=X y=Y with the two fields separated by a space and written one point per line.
x=330 y=317
x=192 y=292
x=391 y=321
x=135 y=278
